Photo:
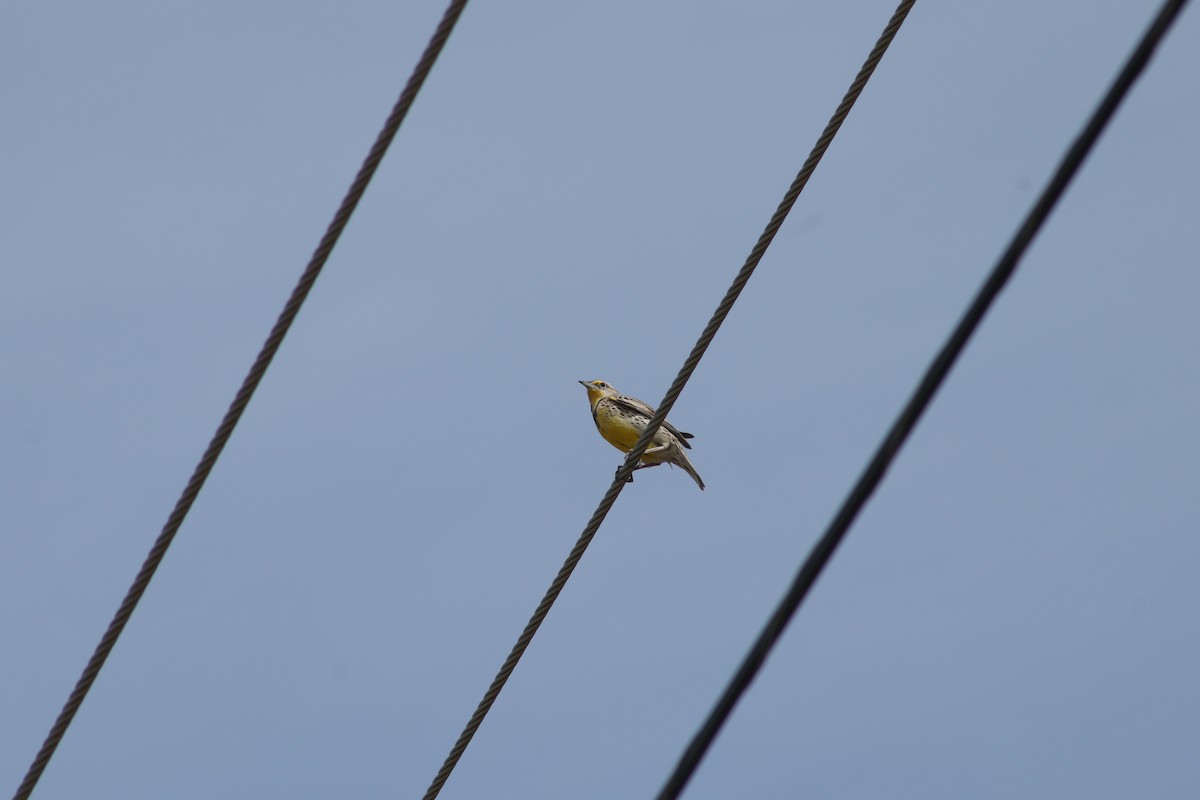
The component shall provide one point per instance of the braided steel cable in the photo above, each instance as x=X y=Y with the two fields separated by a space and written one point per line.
x=242 y=399
x=934 y=376
x=664 y=408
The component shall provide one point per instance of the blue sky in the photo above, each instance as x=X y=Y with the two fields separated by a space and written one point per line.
x=1014 y=613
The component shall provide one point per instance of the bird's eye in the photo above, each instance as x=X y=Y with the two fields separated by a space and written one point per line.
x=602 y=385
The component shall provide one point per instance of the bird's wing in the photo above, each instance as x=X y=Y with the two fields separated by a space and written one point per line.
x=636 y=406
x=680 y=435
x=633 y=405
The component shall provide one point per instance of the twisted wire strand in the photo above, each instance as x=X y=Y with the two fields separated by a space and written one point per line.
x=242 y=399
x=936 y=373
x=768 y=234
x=689 y=366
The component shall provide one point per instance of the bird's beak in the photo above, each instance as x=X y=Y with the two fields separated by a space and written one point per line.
x=585 y=384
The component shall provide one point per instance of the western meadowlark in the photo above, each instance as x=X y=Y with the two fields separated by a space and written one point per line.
x=622 y=420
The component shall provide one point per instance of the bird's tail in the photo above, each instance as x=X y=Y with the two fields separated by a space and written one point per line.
x=681 y=460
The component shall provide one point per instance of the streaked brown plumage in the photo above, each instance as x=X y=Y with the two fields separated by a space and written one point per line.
x=621 y=420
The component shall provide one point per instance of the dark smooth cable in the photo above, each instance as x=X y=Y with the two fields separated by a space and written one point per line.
x=934 y=376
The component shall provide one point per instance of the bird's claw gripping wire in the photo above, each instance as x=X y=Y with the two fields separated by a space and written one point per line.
x=629 y=477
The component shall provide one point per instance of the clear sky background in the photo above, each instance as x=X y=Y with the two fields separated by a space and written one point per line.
x=1015 y=613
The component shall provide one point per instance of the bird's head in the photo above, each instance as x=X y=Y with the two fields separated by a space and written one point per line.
x=597 y=390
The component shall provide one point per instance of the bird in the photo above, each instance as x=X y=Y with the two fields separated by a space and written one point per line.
x=622 y=420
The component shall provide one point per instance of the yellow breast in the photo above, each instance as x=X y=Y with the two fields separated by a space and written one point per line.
x=619 y=429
